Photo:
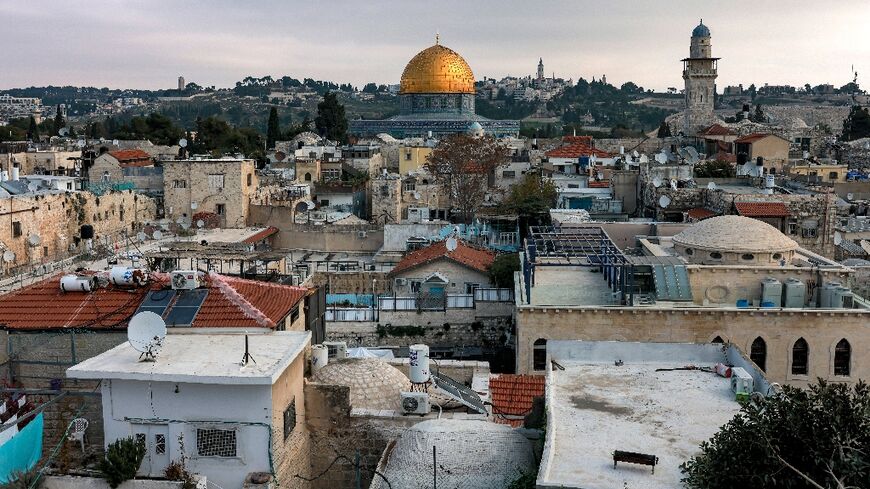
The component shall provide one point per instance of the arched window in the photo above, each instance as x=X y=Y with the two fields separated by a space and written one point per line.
x=307 y=177
x=800 y=357
x=539 y=354
x=718 y=340
x=758 y=353
x=842 y=358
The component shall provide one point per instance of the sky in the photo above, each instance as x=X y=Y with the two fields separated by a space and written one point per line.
x=147 y=44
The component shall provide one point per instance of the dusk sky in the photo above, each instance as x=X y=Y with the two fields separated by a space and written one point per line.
x=148 y=44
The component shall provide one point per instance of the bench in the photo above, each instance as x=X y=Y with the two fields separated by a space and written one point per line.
x=635 y=458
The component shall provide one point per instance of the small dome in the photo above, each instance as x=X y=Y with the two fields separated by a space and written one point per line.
x=437 y=69
x=701 y=30
x=472 y=454
x=735 y=234
x=374 y=384
x=475 y=126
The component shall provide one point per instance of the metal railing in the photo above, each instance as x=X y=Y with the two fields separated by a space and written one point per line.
x=349 y=314
x=493 y=295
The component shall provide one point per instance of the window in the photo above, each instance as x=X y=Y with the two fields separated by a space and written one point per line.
x=800 y=355
x=842 y=358
x=16 y=229
x=159 y=443
x=747 y=257
x=216 y=181
x=290 y=418
x=212 y=442
x=105 y=176
x=792 y=226
x=45 y=251
x=718 y=340
x=409 y=186
x=385 y=191
x=777 y=256
x=808 y=232
x=250 y=179
x=833 y=176
x=220 y=209
x=415 y=285
x=758 y=353
x=324 y=203
x=179 y=184
x=573 y=185
x=715 y=255
x=141 y=439
x=294 y=314
x=331 y=174
x=470 y=288
x=539 y=354
x=308 y=177
x=509 y=174
x=408 y=156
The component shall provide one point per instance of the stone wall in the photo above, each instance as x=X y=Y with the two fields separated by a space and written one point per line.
x=291 y=453
x=351 y=282
x=778 y=328
x=641 y=145
x=234 y=196
x=323 y=238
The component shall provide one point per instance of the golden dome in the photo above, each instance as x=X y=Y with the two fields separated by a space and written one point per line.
x=437 y=69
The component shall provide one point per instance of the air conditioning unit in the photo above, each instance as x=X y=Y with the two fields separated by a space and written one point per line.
x=337 y=349
x=401 y=281
x=361 y=234
x=294 y=280
x=415 y=403
x=741 y=381
x=184 y=279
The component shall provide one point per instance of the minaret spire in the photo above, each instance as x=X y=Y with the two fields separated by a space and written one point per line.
x=437 y=38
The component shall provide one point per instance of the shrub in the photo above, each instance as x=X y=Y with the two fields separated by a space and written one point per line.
x=122 y=461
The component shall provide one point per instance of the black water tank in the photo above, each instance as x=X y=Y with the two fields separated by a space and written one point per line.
x=87 y=231
x=759 y=161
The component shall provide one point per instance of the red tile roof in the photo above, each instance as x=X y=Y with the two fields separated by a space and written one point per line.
x=575 y=147
x=762 y=209
x=598 y=184
x=577 y=139
x=231 y=302
x=464 y=254
x=717 y=130
x=513 y=394
x=700 y=213
x=751 y=138
x=132 y=157
x=260 y=236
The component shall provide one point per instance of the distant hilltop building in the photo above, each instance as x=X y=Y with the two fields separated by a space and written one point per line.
x=436 y=95
x=699 y=74
x=181 y=83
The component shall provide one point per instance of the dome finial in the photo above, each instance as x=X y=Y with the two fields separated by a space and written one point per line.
x=437 y=38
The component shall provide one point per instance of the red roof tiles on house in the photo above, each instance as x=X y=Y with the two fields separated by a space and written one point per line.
x=513 y=394
x=717 y=130
x=464 y=254
x=751 y=138
x=598 y=184
x=762 y=209
x=260 y=236
x=700 y=213
x=132 y=157
x=576 y=150
x=231 y=302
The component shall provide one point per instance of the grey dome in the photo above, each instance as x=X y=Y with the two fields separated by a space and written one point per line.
x=374 y=384
x=735 y=234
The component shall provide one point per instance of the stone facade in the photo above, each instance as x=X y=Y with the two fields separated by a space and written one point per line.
x=699 y=75
x=220 y=186
x=457 y=276
x=291 y=447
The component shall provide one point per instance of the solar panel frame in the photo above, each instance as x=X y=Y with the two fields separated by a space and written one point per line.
x=186 y=307
x=157 y=306
x=459 y=391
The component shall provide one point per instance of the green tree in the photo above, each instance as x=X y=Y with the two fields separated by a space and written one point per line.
x=501 y=272
x=715 y=169
x=804 y=438
x=272 y=129
x=58 y=120
x=759 y=114
x=370 y=88
x=664 y=130
x=331 y=121
x=122 y=461
x=857 y=123
x=33 y=130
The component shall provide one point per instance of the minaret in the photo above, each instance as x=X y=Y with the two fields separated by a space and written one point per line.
x=699 y=74
x=540 y=70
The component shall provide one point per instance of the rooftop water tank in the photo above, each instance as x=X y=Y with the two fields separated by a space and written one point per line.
x=319 y=357
x=419 y=364
x=841 y=297
x=78 y=283
x=794 y=293
x=771 y=292
x=826 y=293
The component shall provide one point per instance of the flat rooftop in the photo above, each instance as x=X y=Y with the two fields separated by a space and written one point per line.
x=597 y=407
x=200 y=359
x=570 y=286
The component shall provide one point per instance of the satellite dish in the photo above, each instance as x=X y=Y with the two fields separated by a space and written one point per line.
x=146 y=332
x=63 y=132
x=182 y=142
x=416 y=195
x=644 y=159
x=200 y=223
x=32 y=186
x=849 y=196
x=141 y=237
x=711 y=186
x=311 y=205
x=115 y=142
x=34 y=240
x=635 y=154
x=80 y=143
x=664 y=201
x=451 y=244
x=601 y=175
x=194 y=205
x=838 y=238
x=157 y=235
x=657 y=182
x=661 y=158
x=8 y=256
x=183 y=222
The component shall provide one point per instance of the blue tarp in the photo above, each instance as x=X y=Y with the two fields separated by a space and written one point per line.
x=355 y=299
x=21 y=453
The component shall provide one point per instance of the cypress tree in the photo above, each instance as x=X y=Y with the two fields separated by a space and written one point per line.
x=272 y=130
x=58 y=120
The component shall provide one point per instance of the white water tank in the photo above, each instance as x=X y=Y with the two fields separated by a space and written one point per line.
x=769 y=181
x=127 y=276
x=419 y=360
x=826 y=293
x=794 y=293
x=78 y=283
x=319 y=357
x=771 y=292
x=15 y=172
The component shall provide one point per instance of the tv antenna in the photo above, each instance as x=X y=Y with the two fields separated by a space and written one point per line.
x=145 y=333
x=247 y=356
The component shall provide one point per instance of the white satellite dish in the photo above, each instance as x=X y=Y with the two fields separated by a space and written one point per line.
x=200 y=223
x=644 y=158
x=849 y=196
x=146 y=332
x=311 y=205
x=657 y=182
x=416 y=195
x=838 y=238
x=34 y=240
x=182 y=142
x=664 y=201
x=141 y=236
x=115 y=142
x=183 y=222
x=157 y=235
x=711 y=186
x=601 y=175
x=451 y=244
x=63 y=132
x=635 y=154
x=661 y=158
x=32 y=186
x=80 y=143
x=8 y=256
x=194 y=205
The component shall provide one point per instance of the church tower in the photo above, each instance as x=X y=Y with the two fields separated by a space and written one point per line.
x=699 y=74
x=540 y=77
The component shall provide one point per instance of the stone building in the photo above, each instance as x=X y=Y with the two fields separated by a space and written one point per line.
x=699 y=74
x=762 y=293
x=761 y=150
x=109 y=166
x=220 y=186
